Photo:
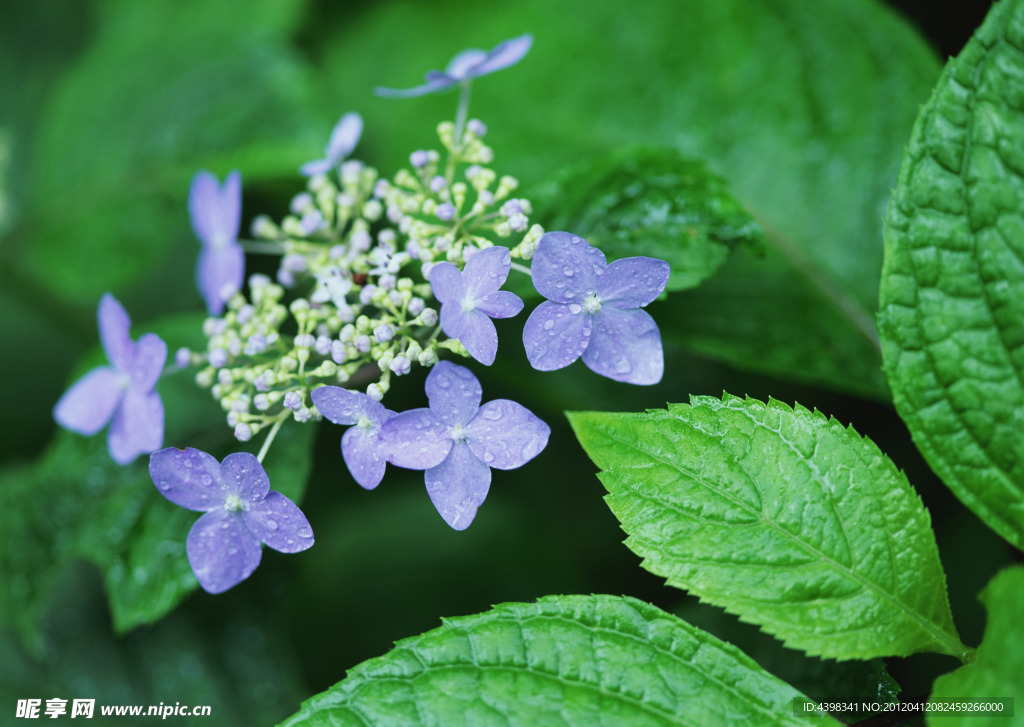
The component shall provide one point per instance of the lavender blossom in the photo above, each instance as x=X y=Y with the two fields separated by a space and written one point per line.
x=467 y=65
x=471 y=297
x=216 y=214
x=241 y=512
x=593 y=310
x=344 y=138
x=362 y=448
x=122 y=393
x=457 y=441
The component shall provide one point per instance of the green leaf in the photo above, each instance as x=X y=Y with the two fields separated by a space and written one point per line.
x=997 y=672
x=781 y=516
x=803 y=107
x=75 y=502
x=657 y=203
x=567 y=660
x=952 y=297
x=163 y=91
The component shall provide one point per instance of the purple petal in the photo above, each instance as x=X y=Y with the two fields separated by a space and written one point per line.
x=474 y=329
x=447 y=283
x=231 y=205
x=486 y=271
x=465 y=61
x=343 y=406
x=435 y=82
x=365 y=453
x=453 y=393
x=566 y=267
x=504 y=55
x=90 y=402
x=189 y=478
x=218 y=270
x=416 y=439
x=344 y=137
x=625 y=346
x=114 y=324
x=506 y=435
x=222 y=550
x=278 y=522
x=311 y=169
x=633 y=282
x=458 y=486
x=501 y=304
x=216 y=213
x=138 y=426
x=148 y=362
x=244 y=476
x=555 y=336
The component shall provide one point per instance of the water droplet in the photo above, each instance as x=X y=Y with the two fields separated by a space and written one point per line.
x=488 y=457
x=567 y=271
x=233 y=551
x=568 y=294
x=165 y=485
x=549 y=324
x=598 y=270
x=272 y=524
x=305 y=532
x=575 y=308
x=290 y=541
x=205 y=480
x=188 y=463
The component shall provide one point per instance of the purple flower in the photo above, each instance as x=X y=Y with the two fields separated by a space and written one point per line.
x=457 y=441
x=121 y=393
x=344 y=138
x=216 y=214
x=467 y=65
x=241 y=512
x=361 y=445
x=470 y=298
x=593 y=310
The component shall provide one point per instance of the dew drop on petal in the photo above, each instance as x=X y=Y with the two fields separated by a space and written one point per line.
x=304 y=532
x=488 y=457
x=272 y=524
x=549 y=324
x=575 y=308
x=568 y=294
x=567 y=271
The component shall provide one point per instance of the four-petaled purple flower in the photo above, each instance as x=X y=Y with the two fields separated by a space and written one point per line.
x=216 y=214
x=362 y=448
x=241 y=512
x=344 y=138
x=470 y=298
x=593 y=310
x=122 y=393
x=467 y=65
x=457 y=441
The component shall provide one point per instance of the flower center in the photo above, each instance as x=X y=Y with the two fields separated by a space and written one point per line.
x=458 y=433
x=364 y=423
x=468 y=304
x=592 y=304
x=232 y=503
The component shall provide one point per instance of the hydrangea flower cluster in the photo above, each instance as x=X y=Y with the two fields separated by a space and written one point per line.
x=376 y=277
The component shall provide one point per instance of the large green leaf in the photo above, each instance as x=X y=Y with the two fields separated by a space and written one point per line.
x=165 y=88
x=565 y=660
x=779 y=515
x=952 y=297
x=997 y=672
x=804 y=108
x=657 y=203
x=76 y=502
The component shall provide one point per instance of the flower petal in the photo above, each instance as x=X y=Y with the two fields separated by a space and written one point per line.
x=633 y=282
x=504 y=55
x=138 y=426
x=365 y=453
x=464 y=61
x=453 y=393
x=90 y=402
x=474 y=329
x=486 y=271
x=458 y=486
x=344 y=137
x=313 y=168
x=435 y=82
x=217 y=271
x=148 y=362
x=565 y=267
x=625 y=346
x=244 y=476
x=231 y=206
x=189 y=478
x=114 y=324
x=447 y=283
x=416 y=439
x=506 y=435
x=222 y=550
x=344 y=406
x=216 y=212
x=278 y=522
x=500 y=304
x=554 y=336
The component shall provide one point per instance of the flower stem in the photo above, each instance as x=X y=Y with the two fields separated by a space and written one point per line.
x=262 y=247
x=460 y=115
x=521 y=268
x=269 y=440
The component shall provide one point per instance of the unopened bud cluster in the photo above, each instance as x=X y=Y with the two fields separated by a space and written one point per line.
x=352 y=305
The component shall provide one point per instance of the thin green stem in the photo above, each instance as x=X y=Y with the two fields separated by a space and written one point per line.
x=460 y=115
x=521 y=268
x=269 y=440
x=262 y=247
